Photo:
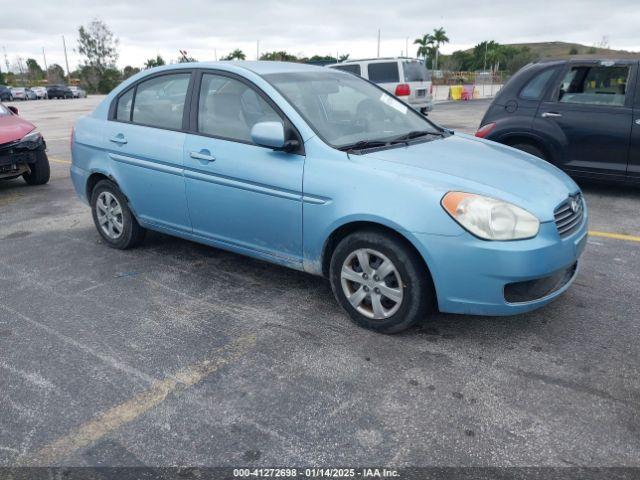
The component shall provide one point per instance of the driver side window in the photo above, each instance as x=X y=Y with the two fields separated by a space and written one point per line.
x=229 y=108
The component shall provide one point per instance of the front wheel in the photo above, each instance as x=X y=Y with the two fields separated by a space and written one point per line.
x=381 y=281
x=113 y=218
x=530 y=149
x=40 y=170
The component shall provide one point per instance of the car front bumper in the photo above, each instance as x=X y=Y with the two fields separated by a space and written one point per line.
x=15 y=155
x=474 y=276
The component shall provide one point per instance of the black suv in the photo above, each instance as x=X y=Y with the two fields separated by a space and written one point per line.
x=59 y=91
x=582 y=116
x=5 y=94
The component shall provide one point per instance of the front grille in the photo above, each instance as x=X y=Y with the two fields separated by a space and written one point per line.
x=569 y=215
x=538 y=288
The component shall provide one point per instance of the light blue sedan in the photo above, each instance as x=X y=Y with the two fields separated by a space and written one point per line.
x=322 y=171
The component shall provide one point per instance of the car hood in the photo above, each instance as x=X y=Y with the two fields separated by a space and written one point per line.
x=466 y=163
x=13 y=128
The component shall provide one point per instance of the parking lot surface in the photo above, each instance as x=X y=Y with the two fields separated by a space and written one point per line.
x=175 y=353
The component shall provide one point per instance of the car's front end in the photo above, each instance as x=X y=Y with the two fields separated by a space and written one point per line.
x=509 y=229
x=19 y=155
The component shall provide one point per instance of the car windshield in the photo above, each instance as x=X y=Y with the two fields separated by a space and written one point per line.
x=345 y=110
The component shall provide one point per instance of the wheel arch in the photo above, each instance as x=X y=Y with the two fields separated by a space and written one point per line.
x=533 y=140
x=350 y=227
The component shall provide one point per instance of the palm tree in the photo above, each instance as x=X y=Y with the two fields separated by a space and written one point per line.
x=426 y=44
x=439 y=37
x=237 y=54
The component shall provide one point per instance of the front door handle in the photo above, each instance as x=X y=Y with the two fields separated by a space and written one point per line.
x=120 y=139
x=204 y=155
x=551 y=115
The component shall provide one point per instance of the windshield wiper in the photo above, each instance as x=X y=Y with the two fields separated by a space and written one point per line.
x=362 y=144
x=412 y=135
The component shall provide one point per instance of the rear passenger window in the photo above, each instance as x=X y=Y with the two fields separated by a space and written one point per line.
x=595 y=85
x=159 y=102
x=355 y=68
x=383 y=72
x=534 y=89
x=229 y=108
x=123 y=110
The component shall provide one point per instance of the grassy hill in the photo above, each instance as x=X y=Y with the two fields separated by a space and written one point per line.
x=563 y=49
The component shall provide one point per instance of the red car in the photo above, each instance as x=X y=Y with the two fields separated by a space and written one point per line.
x=22 y=149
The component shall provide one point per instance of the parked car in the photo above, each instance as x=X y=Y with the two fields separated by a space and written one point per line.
x=41 y=92
x=22 y=149
x=581 y=115
x=406 y=78
x=31 y=95
x=59 y=91
x=78 y=92
x=19 y=93
x=5 y=94
x=401 y=215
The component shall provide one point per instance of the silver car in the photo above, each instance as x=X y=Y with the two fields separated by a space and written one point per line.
x=78 y=92
x=406 y=78
x=41 y=92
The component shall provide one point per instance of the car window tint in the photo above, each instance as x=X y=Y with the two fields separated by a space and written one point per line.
x=230 y=108
x=595 y=85
x=535 y=87
x=159 y=101
x=123 y=109
x=354 y=68
x=383 y=72
x=415 y=72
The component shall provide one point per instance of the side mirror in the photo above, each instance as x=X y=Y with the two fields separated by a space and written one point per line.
x=268 y=134
x=13 y=109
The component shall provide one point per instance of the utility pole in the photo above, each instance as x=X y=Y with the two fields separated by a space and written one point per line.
x=406 y=47
x=44 y=57
x=257 y=49
x=378 y=43
x=66 y=60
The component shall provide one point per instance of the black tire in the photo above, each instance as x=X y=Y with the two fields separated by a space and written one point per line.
x=132 y=233
x=40 y=170
x=531 y=149
x=418 y=297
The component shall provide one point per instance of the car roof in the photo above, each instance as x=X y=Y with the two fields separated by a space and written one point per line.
x=263 y=67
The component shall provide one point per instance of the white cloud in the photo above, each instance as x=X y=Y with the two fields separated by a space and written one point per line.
x=205 y=28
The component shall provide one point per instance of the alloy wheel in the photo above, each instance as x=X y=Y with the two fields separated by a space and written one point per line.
x=371 y=283
x=109 y=213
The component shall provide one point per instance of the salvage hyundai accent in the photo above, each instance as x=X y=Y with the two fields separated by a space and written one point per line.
x=324 y=172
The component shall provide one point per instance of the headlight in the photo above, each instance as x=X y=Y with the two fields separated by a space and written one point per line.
x=489 y=218
x=32 y=136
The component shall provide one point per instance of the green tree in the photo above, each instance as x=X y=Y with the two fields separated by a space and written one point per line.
x=343 y=58
x=439 y=37
x=573 y=51
x=237 y=54
x=154 y=62
x=99 y=47
x=322 y=58
x=129 y=71
x=55 y=74
x=426 y=45
x=280 y=56
x=34 y=71
x=592 y=50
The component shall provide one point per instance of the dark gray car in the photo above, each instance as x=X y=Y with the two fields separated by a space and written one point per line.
x=581 y=115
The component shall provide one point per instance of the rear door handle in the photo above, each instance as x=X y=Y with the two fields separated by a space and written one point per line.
x=120 y=139
x=551 y=115
x=204 y=155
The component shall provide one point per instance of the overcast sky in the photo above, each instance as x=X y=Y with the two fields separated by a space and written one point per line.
x=307 y=27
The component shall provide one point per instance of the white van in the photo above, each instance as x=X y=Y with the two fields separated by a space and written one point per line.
x=406 y=78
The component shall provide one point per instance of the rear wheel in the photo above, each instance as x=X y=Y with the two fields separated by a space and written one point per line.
x=380 y=281
x=113 y=218
x=40 y=170
x=531 y=149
